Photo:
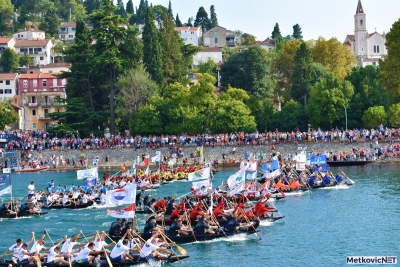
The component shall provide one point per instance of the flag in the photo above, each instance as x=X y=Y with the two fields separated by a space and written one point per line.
x=143 y=183
x=157 y=157
x=198 y=153
x=128 y=212
x=133 y=168
x=201 y=187
x=272 y=174
x=5 y=179
x=124 y=195
x=88 y=173
x=274 y=165
x=317 y=160
x=250 y=176
x=147 y=172
x=236 y=178
x=6 y=190
x=251 y=166
x=90 y=182
x=199 y=174
x=171 y=163
x=237 y=188
x=144 y=163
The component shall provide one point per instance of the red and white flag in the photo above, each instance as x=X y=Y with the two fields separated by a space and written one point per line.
x=144 y=163
x=128 y=212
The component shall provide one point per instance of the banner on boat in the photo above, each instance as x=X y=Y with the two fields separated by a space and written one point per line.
x=199 y=174
x=157 y=157
x=128 y=212
x=144 y=163
x=87 y=174
x=126 y=195
x=318 y=160
x=300 y=166
x=236 y=178
x=270 y=166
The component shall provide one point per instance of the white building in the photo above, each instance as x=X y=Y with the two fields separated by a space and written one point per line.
x=191 y=35
x=8 y=86
x=67 y=31
x=362 y=43
x=31 y=34
x=214 y=53
x=39 y=50
x=7 y=42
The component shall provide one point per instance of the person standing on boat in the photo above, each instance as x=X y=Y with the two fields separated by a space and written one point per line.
x=31 y=190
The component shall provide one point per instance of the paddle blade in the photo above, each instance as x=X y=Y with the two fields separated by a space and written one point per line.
x=182 y=251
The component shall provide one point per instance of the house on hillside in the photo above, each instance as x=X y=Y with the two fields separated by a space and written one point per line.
x=39 y=93
x=8 y=86
x=67 y=31
x=7 y=42
x=215 y=37
x=191 y=35
x=214 y=53
x=30 y=34
x=39 y=50
x=56 y=67
x=265 y=45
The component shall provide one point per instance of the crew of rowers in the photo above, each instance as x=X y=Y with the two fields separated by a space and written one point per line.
x=89 y=252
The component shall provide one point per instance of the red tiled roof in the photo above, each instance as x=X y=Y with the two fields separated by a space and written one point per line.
x=67 y=24
x=31 y=43
x=5 y=40
x=211 y=49
x=29 y=30
x=48 y=75
x=360 y=9
x=183 y=28
x=8 y=75
x=351 y=37
x=262 y=43
x=57 y=65
x=29 y=76
x=347 y=43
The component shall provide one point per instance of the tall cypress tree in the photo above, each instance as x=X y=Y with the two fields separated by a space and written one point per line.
x=152 y=53
x=141 y=13
x=91 y=5
x=213 y=17
x=178 y=22
x=170 y=13
x=202 y=20
x=120 y=9
x=276 y=33
x=301 y=76
x=129 y=7
x=297 y=34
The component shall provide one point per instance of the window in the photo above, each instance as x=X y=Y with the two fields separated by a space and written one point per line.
x=46 y=112
x=58 y=110
x=34 y=83
x=34 y=125
x=46 y=99
x=33 y=99
x=361 y=22
x=54 y=82
x=1 y=91
x=374 y=63
x=25 y=82
x=216 y=33
x=33 y=112
x=211 y=33
x=8 y=91
x=62 y=37
x=46 y=125
x=44 y=82
x=74 y=29
x=8 y=82
x=1 y=81
x=41 y=58
x=70 y=36
x=216 y=40
x=377 y=48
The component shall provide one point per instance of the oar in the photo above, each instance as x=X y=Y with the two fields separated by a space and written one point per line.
x=5 y=255
x=36 y=257
x=273 y=205
x=248 y=221
x=173 y=252
x=214 y=219
x=69 y=256
x=49 y=237
x=188 y=220
x=104 y=249
x=85 y=236
x=351 y=181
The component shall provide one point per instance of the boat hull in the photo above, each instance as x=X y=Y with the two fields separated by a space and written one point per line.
x=348 y=163
x=41 y=169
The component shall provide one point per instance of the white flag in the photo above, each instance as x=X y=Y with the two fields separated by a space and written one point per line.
x=156 y=158
x=126 y=195
x=273 y=174
x=237 y=188
x=199 y=174
x=202 y=187
x=6 y=190
x=88 y=173
x=236 y=178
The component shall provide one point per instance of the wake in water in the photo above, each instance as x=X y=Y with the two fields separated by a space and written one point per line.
x=336 y=187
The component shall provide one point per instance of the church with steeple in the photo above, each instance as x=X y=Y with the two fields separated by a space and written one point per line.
x=368 y=47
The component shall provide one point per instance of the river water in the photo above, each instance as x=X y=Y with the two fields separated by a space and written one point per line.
x=320 y=229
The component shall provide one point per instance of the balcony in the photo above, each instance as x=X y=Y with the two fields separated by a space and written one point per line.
x=33 y=104
x=47 y=103
x=58 y=103
x=44 y=117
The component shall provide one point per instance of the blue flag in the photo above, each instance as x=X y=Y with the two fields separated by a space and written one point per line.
x=5 y=179
x=274 y=165
x=317 y=160
x=270 y=166
x=264 y=167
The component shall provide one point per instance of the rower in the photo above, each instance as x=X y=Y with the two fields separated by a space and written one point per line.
x=69 y=243
x=16 y=248
x=232 y=225
x=38 y=246
x=84 y=255
x=203 y=226
x=24 y=256
x=31 y=190
x=115 y=229
x=151 y=226
x=153 y=247
x=177 y=228
x=121 y=251
x=54 y=255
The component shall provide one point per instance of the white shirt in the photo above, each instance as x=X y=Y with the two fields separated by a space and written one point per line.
x=51 y=255
x=36 y=247
x=103 y=198
x=98 y=245
x=49 y=200
x=64 y=199
x=15 y=249
x=31 y=189
x=84 y=199
x=119 y=250
x=21 y=256
x=148 y=248
x=67 y=245
x=83 y=254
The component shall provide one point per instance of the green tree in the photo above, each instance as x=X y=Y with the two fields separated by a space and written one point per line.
x=132 y=48
x=50 y=22
x=158 y=10
x=135 y=89
x=26 y=60
x=389 y=68
x=231 y=114
x=276 y=33
x=301 y=76
x=213 y=17
x=327 y=101
x=202 y=20
x=291 y=116
x=149 y=119
x=6 y=14
x=120 y=9
x=152 y=54
x=170 y=13
x=129 y=7
x=141 y=13
x=7 y=114
x=368 y=92
x=9 y=60
x=334 y=56
x=91 y=5
x=374 y=116
x=248 y=40
x=394 y=115
x=249 y=70
x=297 y=34
x=208 y=67
x=262 y=110
x=109 y=38
x=190 y=22
x=178 y=22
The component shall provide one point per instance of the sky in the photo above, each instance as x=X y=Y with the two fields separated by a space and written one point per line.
x=317 y=18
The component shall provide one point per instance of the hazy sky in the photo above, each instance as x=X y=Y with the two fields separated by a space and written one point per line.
x=316 y=17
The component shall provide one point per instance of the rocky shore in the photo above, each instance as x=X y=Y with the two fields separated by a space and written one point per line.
x=116 y=157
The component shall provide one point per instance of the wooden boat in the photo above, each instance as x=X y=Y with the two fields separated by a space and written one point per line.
x=40 y=169
x=348 y=163
x=72 y=206
x=21 y=214
x=136 y=261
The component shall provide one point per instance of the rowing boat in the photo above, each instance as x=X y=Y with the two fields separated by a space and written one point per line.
x=45 y=168
x=21 y=214
x=70 y=206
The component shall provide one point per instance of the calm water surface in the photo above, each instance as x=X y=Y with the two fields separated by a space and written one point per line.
x=320 y=229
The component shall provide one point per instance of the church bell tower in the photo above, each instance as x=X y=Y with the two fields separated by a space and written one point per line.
x=360 y=31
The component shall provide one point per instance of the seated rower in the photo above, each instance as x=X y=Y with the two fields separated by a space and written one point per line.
x=121 y=250
x=85 y=255
x=177 y=228
x=153 y=247
x=38 y=246
x=151 y=226
x=16 y=248
x=232 y=225
x=67 y=247
x=203 y=226
x=25 y=257
x=54 y=255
